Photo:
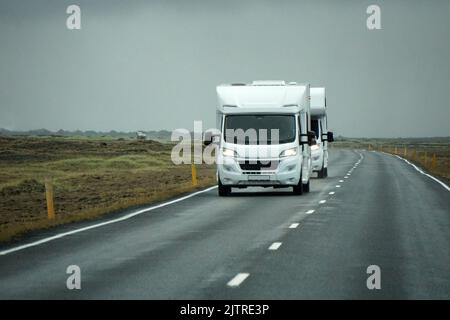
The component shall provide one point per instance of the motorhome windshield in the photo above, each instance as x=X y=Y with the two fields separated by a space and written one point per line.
x=259 y=129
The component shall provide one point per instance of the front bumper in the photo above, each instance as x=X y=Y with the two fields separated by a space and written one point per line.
x=286 y=173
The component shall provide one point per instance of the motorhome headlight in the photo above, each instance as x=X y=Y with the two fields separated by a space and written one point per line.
x=229 y=153
x=289 y=152
x=314 y=147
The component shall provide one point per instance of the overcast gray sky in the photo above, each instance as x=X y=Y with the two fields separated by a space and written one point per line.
x=154 y=64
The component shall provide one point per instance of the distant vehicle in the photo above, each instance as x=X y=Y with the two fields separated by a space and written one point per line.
x=140 y=135
x=319 y=151
x=279 y=158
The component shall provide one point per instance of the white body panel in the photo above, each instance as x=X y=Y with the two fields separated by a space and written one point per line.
x=319 y=153
x=264 y=98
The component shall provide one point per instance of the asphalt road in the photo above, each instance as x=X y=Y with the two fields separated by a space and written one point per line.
x=384 y=213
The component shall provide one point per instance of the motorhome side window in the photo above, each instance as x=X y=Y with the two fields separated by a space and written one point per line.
x=260 y=129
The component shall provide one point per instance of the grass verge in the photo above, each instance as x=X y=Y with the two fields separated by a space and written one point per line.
x=90 y=178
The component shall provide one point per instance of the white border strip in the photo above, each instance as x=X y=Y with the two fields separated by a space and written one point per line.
x=125 y=217
x=424 y=173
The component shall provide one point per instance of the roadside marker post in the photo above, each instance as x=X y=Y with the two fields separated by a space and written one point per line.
x=405 y=152
x=194 y=175
x=49 y=198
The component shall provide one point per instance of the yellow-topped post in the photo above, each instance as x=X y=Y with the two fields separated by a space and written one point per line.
x=49 y=198
x=194 y=175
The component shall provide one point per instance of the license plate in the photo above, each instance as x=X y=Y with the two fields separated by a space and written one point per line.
x=258 y=178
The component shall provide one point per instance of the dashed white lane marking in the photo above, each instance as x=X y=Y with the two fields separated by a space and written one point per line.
x=426 y=174
x=322 y=201
x=331 y=192
x=125 y=217
x=294 y=225
x=237 y=280
x=346 y=177
x=338 y=186
x=275 y=245
x=309 y=211
x=341 y=180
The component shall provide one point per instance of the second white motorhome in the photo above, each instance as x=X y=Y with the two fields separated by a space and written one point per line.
x=319 y=151
x=278 y=152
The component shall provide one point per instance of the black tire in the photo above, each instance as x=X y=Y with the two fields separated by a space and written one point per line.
x=306 y=187
x=298 y=189
x=325 y=172
x=223 y=190
x=320 y=174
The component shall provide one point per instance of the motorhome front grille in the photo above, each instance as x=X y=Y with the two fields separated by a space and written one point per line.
x=259 y=183
x=258 y=165
x=259 y=172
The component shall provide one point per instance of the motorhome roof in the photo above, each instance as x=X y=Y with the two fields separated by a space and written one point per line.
x=268 y=83
x=280 y=98
x=318 y=101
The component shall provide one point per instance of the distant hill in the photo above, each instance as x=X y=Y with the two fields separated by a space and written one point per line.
x=157 y=135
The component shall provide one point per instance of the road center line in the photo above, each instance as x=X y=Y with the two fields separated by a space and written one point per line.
x=275 y=245
x=237 y=280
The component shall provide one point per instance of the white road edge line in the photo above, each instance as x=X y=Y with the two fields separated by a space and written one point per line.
x=294 y=225
x=97 y=225
x=237 y=280
x=424 y=173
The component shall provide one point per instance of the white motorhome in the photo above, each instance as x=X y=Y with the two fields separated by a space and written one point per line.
x=264 y=136
x=319 y=150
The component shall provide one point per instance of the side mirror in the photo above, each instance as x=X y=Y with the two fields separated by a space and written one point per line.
x=311 y=138
x=330 y=136
x=211 y=136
